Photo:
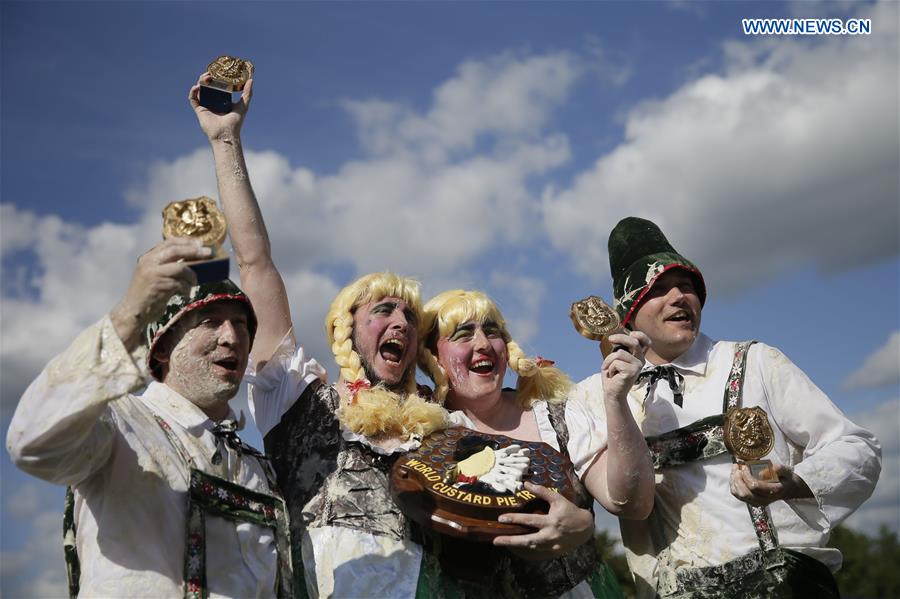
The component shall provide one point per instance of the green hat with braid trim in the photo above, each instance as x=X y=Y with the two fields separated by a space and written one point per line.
x=638 y=254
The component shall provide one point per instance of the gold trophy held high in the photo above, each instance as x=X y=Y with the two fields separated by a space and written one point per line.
x=200 y=219
x=229 y=74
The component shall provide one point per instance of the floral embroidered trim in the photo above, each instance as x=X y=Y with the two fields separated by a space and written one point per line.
x=73 y=564
x=731 y=572
x=735 y=385
x=734 y=390
x=221 y=497
x=700 y=440
x=195 y=554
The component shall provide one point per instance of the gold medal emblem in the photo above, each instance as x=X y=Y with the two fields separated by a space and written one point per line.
x=232 y=71
x=748 y=434
x=199 y=218
x=593 y=318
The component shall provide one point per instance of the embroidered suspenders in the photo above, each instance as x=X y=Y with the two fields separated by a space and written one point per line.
x=704 y=439
x=216 y=496
x=734 y=391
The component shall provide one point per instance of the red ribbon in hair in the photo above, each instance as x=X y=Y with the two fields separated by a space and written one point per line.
x=355 y=387
x=541 y=362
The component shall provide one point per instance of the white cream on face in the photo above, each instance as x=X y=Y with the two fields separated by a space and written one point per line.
x=191 y=373
x=209 y=357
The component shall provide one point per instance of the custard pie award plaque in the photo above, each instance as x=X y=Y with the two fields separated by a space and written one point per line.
x=748 y=436
x=200 y=219
x=459 y=481
x=229 y=74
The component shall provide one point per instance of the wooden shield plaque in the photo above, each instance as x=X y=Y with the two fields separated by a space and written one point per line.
x=427 y=485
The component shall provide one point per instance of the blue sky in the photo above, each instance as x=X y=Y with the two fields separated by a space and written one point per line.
x=484 y=145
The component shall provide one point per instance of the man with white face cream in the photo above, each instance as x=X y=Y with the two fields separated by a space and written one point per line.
x=165 y=499
x=718 y=530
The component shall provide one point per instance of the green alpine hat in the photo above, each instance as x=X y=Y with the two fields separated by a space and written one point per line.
x=638 y=254
x=179 y=305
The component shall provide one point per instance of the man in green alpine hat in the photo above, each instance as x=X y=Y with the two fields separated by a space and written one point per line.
x=755 y=465
x=165 y=499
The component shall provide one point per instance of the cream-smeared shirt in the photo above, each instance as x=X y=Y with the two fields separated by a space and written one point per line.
x=79 y=424
x=697 y=520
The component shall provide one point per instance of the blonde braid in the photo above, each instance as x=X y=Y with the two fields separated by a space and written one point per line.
x=536 y=382
x=518 y=361
x=342 y=347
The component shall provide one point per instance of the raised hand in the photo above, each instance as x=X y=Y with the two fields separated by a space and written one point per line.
x=221 y=126
x=160 y=273
x=621 y=367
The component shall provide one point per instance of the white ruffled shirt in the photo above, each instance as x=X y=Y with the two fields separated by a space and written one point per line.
x=78 y=424
x=703 y=524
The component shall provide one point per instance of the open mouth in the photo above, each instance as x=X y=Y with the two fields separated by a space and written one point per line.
x=392 y=350
x=680 y=316
x=482 y=366
x=229 y=364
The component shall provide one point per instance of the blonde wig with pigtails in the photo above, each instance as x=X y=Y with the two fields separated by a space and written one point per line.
x=538 y=379
x=376 y=411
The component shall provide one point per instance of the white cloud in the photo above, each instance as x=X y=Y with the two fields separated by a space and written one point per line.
x=883 y=507
x=880 y=369
x=789 y=157
x=37 y=567
x=506 y=95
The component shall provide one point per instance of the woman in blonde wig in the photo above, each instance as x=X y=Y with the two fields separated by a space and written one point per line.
x=466 y=350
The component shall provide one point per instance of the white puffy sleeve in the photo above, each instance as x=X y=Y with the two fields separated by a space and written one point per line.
x=586 y=421
x=280 y=382
x=839 y=460
x=61 y=430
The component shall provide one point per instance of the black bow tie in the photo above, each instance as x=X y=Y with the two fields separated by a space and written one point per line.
x=676 y=381
x=226 y=433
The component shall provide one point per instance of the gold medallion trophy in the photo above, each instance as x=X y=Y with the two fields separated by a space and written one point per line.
x=201 y=219
x=229 y=74
x=595 y=319
x=747 y=433
x=748 y=436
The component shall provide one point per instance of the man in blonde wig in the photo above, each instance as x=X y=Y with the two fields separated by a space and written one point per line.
x=331 y=445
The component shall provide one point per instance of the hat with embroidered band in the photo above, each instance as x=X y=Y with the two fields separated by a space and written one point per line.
x=638 y=254
x=198 y=297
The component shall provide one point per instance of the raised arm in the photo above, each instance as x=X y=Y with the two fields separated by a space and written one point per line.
x=260 y=279
x=621 y=478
